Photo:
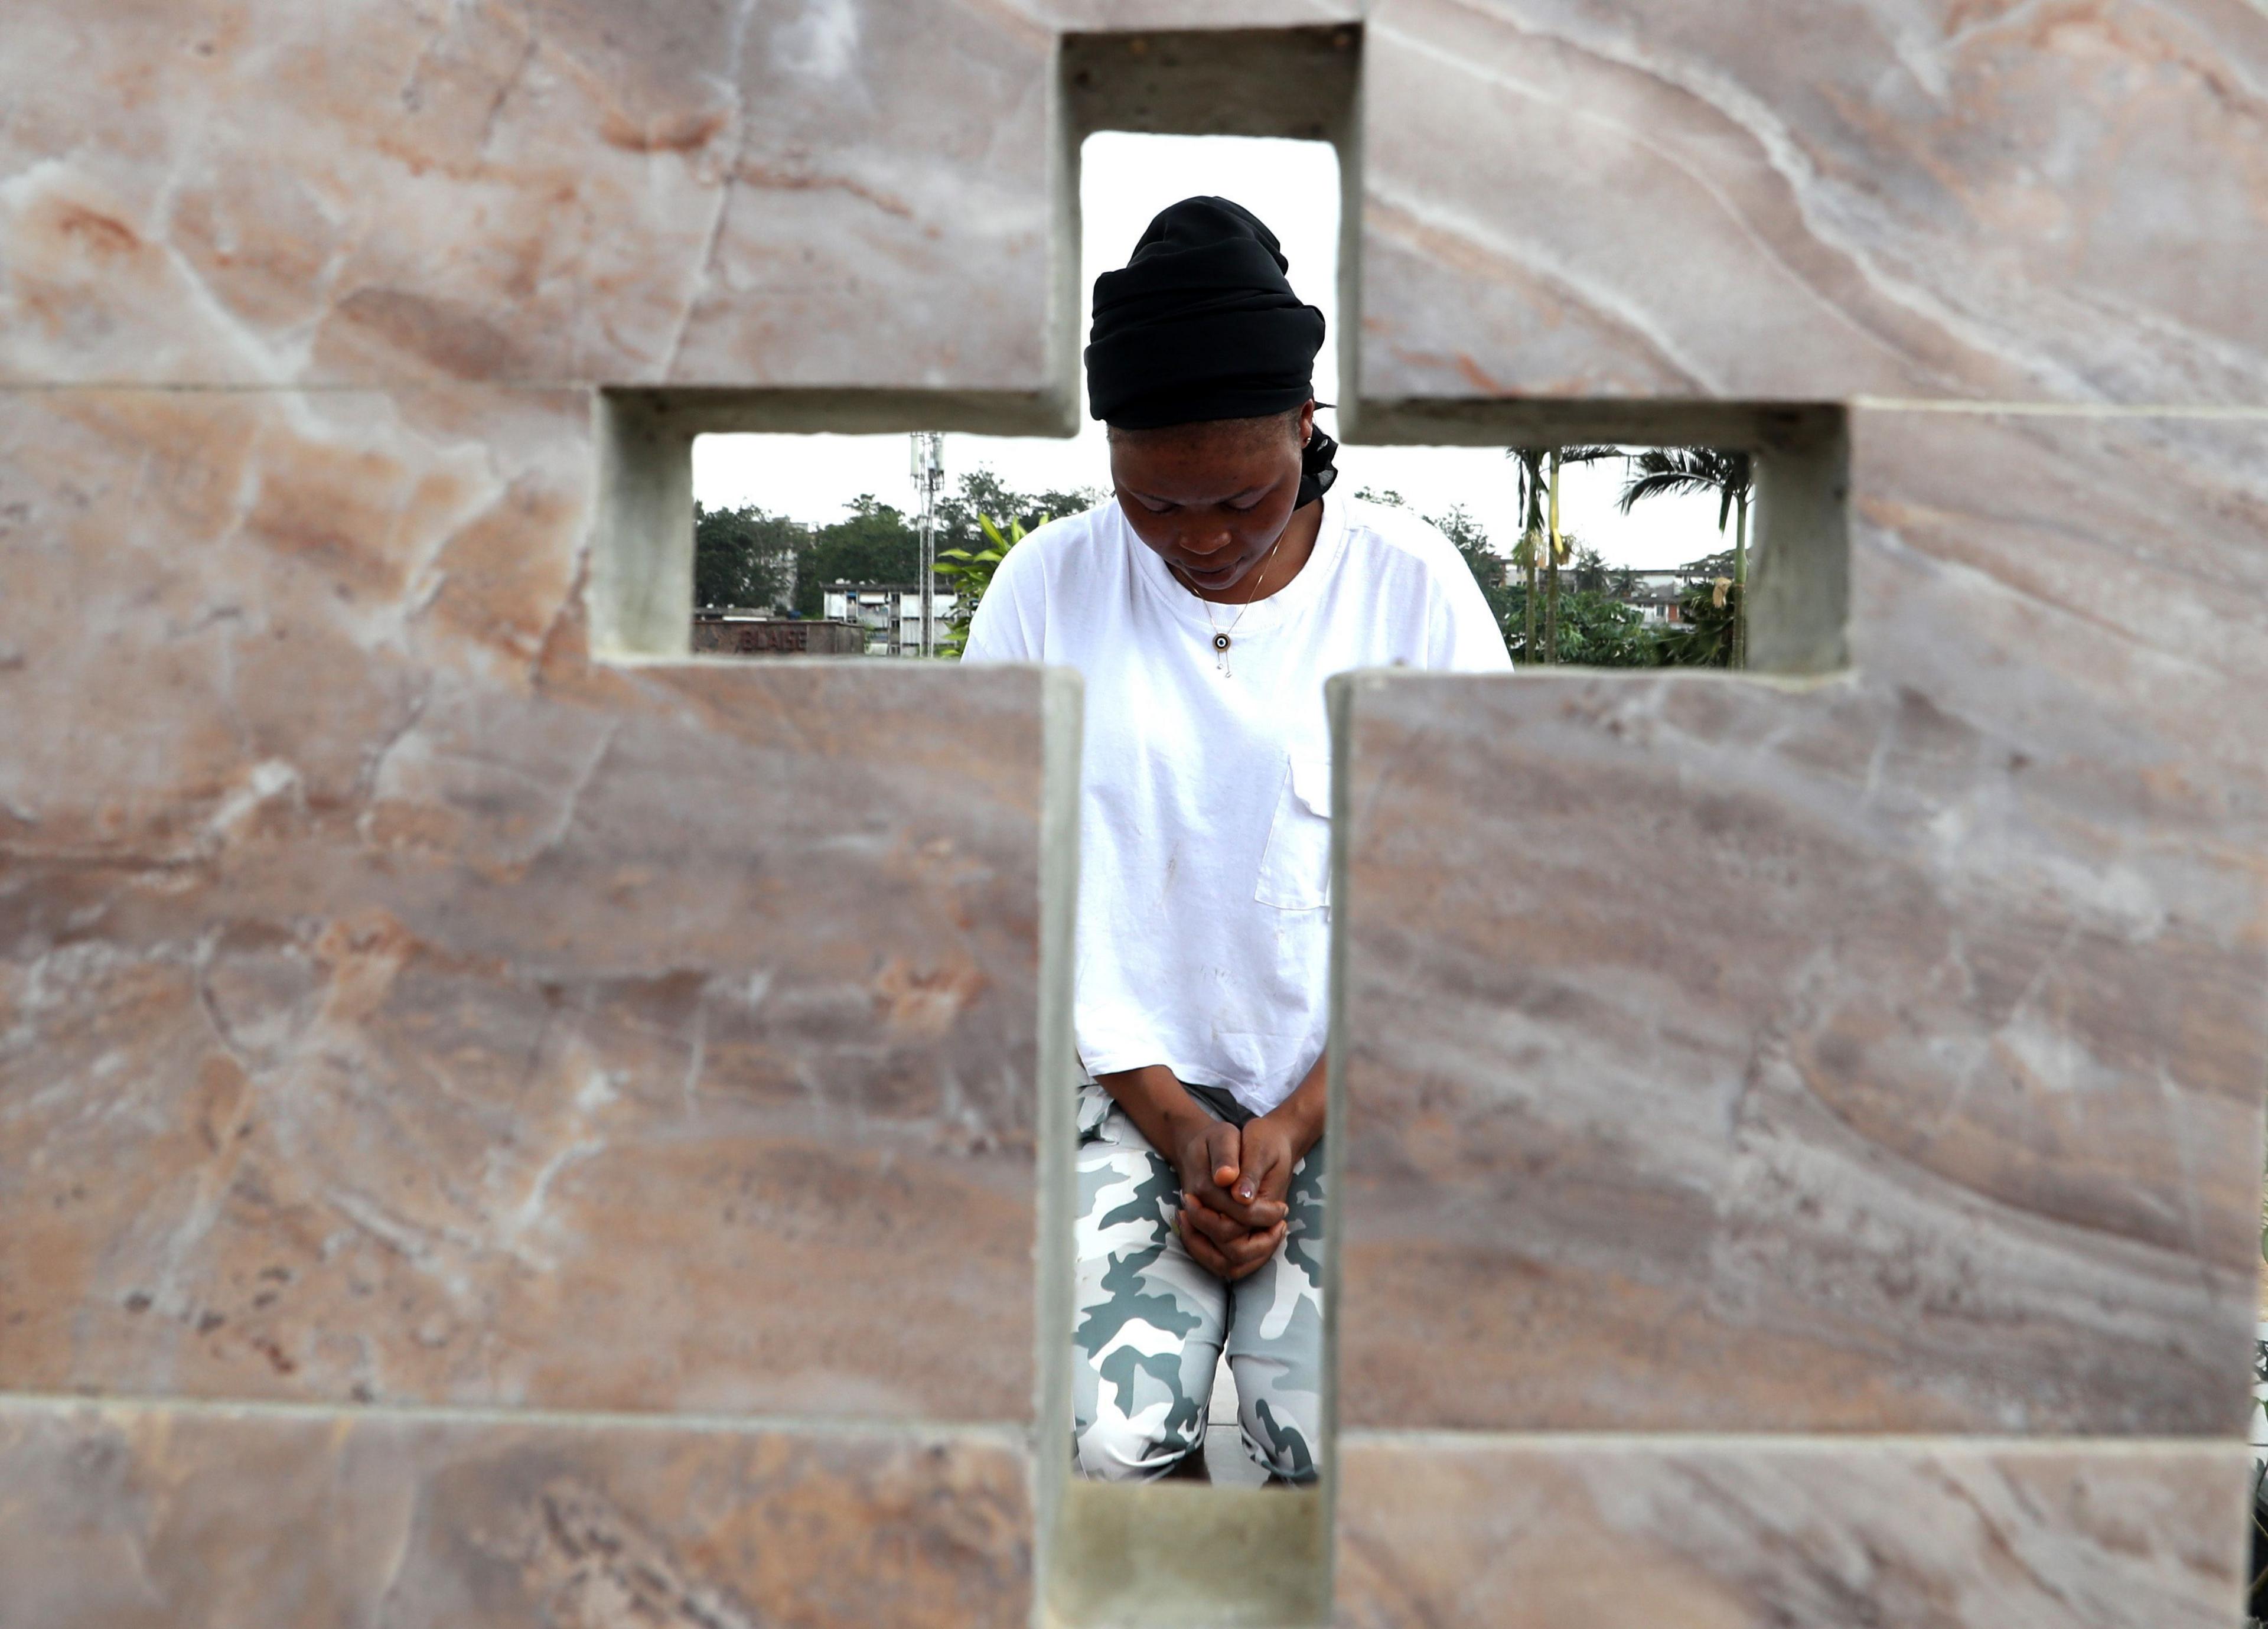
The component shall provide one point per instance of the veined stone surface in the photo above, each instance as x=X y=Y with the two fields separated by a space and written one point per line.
x=1615 y=198
x=1494 y=1533
x=395 y=1007
x=2062 y=205
x=169 y=1518
x=264 y=192
x=1882 y=1053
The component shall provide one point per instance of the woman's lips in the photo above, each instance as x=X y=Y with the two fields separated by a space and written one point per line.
x=1218 y=578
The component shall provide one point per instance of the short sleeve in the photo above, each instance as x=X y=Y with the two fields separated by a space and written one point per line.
x=1008 y=627
x=1462 y=635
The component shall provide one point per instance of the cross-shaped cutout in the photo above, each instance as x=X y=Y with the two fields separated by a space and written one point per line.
x=1220 y=1553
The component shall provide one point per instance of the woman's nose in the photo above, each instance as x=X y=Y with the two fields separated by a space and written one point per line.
x=1202 y=545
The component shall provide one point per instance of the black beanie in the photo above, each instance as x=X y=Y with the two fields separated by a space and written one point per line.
x=1201 y=325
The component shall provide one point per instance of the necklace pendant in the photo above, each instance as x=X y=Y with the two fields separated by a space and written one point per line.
x=1220 y=642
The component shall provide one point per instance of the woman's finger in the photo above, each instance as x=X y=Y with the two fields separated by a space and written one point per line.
x=1203 y=1252
x=1259 y=1214
x=1229 y=1257
x=1245 y=1269
x=1236 y=1243
x=1220 y=1229
x=1252 y=1249
x=1224 y=1148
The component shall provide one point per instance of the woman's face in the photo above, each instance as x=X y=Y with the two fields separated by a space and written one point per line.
x=1211 y=499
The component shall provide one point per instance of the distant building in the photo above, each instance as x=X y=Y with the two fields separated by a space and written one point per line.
x=720 y=632
x=1654 y=594
x=889 y=612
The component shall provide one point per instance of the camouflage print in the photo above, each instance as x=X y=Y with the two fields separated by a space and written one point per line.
x=1152 y=1323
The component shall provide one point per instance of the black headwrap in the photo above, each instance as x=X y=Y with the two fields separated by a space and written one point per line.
x=1203 y=325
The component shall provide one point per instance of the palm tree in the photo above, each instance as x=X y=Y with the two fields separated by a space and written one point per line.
x=1540 y=533
x=1730 y=475
x=1531 y=461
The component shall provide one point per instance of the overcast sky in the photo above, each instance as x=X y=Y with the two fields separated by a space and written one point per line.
x=1124 y=181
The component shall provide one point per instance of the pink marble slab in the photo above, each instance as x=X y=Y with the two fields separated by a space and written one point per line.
x=1501 y=1533
x=395 y=1006
x=166 y=1518
x=1881 y=1052
x=1611 y=198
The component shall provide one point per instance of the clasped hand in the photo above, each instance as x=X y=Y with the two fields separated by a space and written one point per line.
x=1233 y=1185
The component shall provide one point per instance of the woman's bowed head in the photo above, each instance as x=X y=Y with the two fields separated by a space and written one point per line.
x=1202 y=364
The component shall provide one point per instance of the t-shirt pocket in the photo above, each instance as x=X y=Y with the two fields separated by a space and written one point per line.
x=1295 y=867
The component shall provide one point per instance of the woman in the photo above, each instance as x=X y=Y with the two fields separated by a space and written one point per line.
x=1206 y=606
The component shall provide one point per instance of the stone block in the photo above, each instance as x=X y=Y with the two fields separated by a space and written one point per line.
x=1879 y=1053
x=397 y=1005
x=589 y=192
x=1497 y=1533
x=1630 y=199
x=575 y=191
x=153 y=1517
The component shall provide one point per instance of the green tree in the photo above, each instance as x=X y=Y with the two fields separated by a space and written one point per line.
x=1596 y=630
x=984 y=496
x=1731 y=475
x=1708 y=626
x=1527 y=554
x=976 y=528
x=745 y=557
x=878 y=543
x=874 y=543
x=970 y=572
x=1541 y=542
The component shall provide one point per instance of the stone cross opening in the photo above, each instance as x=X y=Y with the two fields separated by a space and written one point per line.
x=1219 y=1553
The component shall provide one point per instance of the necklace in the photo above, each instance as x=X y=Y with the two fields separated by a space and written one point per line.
x=1223 y=638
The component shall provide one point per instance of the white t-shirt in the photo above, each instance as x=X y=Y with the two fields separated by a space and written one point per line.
x=1204 y=816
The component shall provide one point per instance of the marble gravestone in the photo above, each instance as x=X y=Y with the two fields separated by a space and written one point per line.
x=1799 y=1130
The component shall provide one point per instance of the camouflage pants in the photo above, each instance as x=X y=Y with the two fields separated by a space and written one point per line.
x=1153 y=1325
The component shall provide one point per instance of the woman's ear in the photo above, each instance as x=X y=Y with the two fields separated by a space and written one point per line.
x=1307 y=421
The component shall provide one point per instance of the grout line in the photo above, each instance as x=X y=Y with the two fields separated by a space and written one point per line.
x=2085 y=411
x=1012 y=1434
x=1880 y=404
x=1002 y=1433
